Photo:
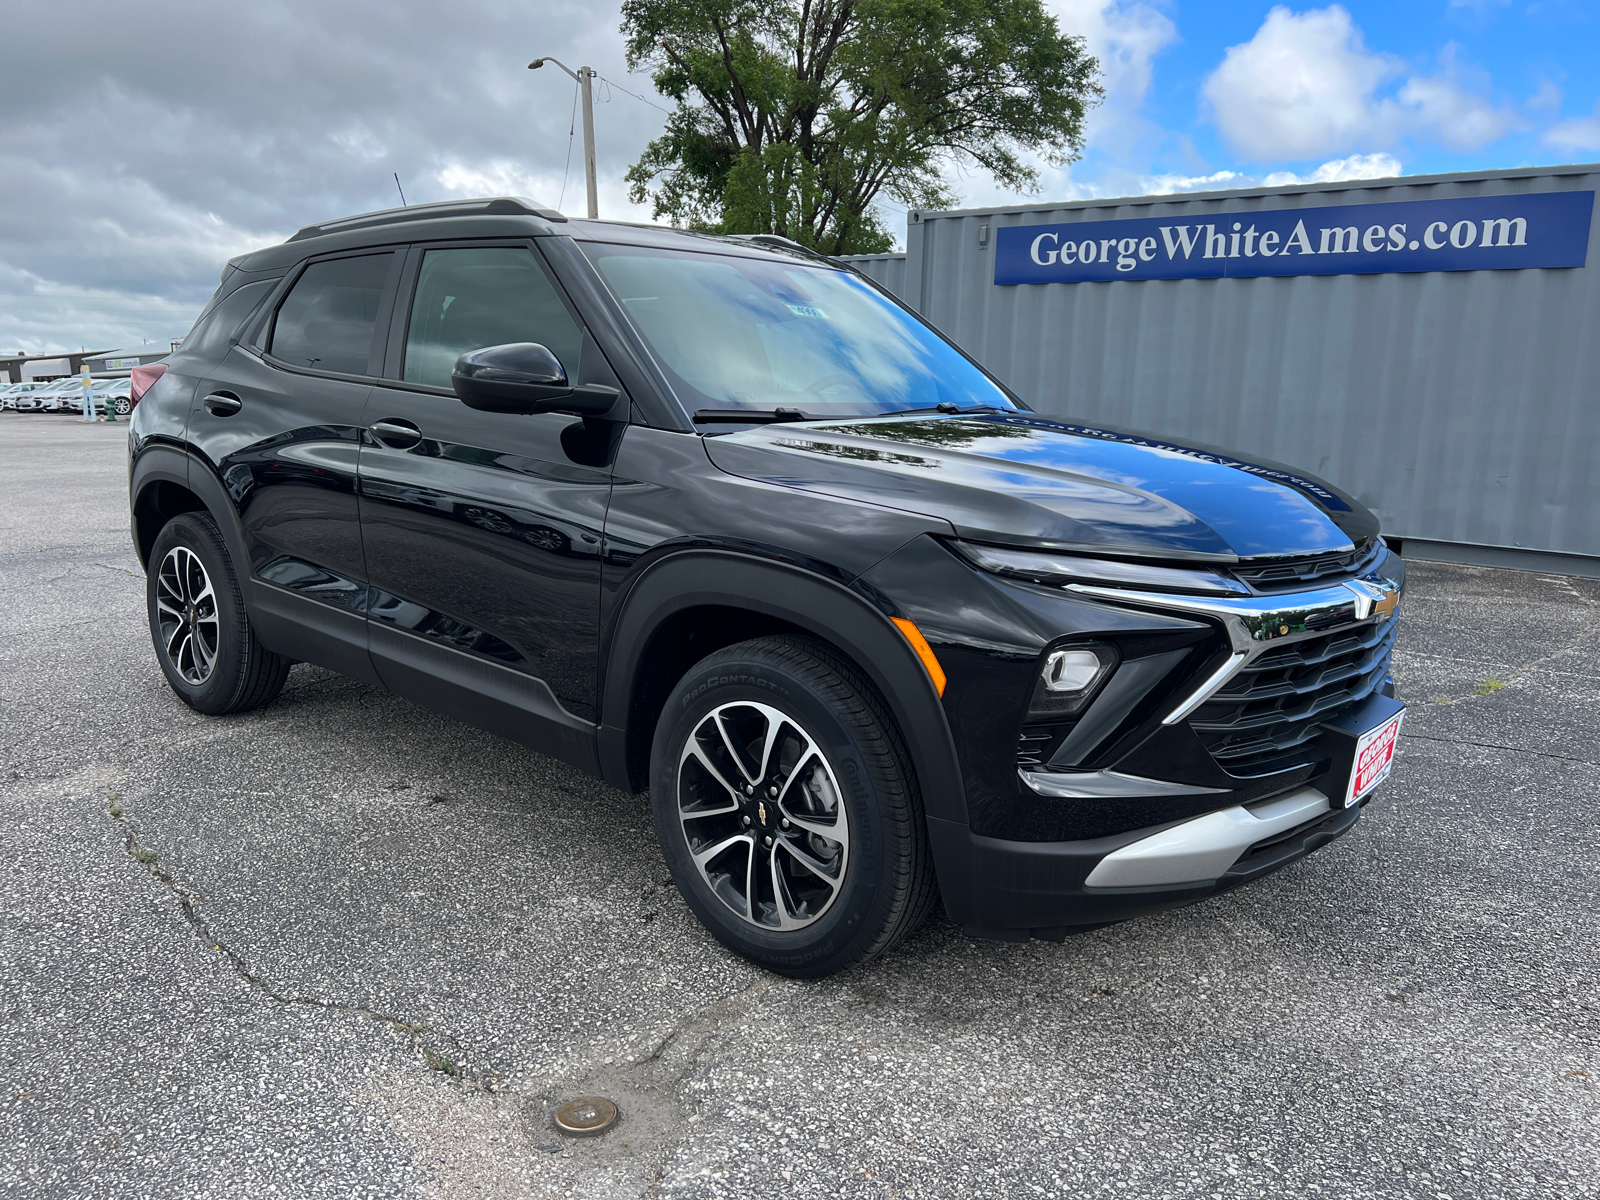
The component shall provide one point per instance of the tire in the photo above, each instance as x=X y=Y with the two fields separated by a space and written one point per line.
x=199 y=626
x=844 y=825
x=124 y=406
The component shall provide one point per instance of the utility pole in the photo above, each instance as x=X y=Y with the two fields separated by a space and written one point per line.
x=584 y=77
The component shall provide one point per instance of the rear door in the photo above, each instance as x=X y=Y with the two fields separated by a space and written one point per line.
x=280 y=422
x=483 y=530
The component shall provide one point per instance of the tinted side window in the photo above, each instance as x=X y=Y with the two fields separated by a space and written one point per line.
x=328 y=319
x=210 y=335
x=487 y=296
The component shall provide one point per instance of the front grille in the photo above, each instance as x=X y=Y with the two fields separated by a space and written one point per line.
x=1278 y=701
x=1278 y=574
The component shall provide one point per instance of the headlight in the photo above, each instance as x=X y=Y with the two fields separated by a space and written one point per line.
x=1068 y=678
x=1059 y=568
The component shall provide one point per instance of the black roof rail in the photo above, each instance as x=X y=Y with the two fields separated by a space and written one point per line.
x=776 y=241
x=490 y=206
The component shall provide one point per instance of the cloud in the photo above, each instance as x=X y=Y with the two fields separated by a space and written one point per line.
x=1124 y=36
x=1165 y=185
x=34 y=312
x=1580 y=134
x=1307 y=85
x=183 y=134
x=1547 y=98
x=1356 y=166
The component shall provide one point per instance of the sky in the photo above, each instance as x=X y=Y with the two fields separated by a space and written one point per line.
x=143 y=145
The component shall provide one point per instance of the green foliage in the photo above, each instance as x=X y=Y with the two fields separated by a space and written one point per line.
x=440 y=1063
x=792 y=117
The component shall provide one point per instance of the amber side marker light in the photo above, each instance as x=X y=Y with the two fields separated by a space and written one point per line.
x=924 y=652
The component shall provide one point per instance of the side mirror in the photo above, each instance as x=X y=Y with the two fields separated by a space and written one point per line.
x=524 y=377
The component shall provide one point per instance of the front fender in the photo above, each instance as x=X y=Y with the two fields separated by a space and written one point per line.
x=826 y=609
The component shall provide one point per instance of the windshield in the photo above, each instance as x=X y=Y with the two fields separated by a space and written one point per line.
x=751 y=333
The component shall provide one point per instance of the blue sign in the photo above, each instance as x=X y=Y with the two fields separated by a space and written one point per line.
x=1473 y=233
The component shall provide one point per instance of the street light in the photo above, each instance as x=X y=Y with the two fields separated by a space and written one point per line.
x=582 y=76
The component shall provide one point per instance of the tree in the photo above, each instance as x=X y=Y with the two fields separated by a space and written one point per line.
x=792 y=116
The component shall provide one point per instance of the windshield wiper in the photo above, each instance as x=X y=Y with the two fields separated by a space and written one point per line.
x=748 y=416
x=945 y=407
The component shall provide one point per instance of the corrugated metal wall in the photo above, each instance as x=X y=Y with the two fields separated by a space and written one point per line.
x=887 y=269
x=1462 y=407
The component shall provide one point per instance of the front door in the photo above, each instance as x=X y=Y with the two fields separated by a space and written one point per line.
x=482 y=533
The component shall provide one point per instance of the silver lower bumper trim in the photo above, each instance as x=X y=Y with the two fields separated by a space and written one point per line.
x=1204 y=848
x=1105 y=785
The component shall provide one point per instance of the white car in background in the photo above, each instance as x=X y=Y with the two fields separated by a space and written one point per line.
x=121 y=390
x=50 y=398
x=44 y=398
x=28 y=397
x=8 y=395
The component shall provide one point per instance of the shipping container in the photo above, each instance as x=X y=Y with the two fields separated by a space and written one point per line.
x=1426 y=343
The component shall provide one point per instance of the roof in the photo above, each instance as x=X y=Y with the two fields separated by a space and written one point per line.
x=490 y=216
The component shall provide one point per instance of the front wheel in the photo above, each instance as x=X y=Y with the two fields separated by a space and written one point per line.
x=787 y=808
x=198 y=623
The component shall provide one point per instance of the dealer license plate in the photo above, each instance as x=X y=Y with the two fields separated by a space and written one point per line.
x=1374 y=757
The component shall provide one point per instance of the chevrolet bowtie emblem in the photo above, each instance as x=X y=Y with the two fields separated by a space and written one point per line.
x=1375 y=596
x=761 y=811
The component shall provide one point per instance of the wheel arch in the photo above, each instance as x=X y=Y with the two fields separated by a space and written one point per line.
x=166 y=481
x=695 y=602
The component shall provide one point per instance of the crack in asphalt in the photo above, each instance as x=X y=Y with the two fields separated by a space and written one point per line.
x=704 y=1022
x=186 y=900
x=1515 y=673
x=1423 y=737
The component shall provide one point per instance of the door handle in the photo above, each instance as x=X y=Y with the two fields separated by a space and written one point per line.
x=395 y=433
x=222 y=404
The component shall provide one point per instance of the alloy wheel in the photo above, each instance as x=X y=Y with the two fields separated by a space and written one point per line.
x=763 y=815
x=186 y=609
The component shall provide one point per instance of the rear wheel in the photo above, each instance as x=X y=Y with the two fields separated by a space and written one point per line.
x=787 y=809
x=198 y=623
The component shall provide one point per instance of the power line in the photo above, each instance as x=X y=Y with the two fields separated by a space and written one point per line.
x=635 y=95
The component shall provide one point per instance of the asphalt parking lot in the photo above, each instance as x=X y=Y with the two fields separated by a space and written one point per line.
x=343 y=947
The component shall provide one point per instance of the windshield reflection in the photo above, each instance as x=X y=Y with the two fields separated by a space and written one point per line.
x=750 y=333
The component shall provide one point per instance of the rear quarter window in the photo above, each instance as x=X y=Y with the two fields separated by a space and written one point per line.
x=212 y=332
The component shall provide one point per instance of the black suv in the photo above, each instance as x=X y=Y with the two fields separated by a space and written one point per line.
x=722 y=519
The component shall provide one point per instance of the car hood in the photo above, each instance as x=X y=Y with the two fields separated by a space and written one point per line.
x=1024 y=479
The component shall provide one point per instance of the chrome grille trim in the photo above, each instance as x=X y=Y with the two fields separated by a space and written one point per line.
x=1265 y=633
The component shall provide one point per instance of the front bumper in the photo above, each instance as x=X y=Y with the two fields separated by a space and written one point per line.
x=1015 y=890
x=1268 y=696
x=1021 y=890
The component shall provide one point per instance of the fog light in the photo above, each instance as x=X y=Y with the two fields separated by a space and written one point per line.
x=1070 y=670
x=1068 y=678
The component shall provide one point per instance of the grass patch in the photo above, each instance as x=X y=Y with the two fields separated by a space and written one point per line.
x=145 y=856
x=1488 y=687
x=440 y=1063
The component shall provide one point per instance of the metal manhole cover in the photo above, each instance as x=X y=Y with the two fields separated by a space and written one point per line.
x=587 y=1116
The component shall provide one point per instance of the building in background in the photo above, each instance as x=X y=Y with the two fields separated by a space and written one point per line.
x=19 y=367
x=120 y=362
x=1427 y=343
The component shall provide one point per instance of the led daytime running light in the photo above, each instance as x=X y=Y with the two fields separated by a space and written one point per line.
x=1058 y=568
